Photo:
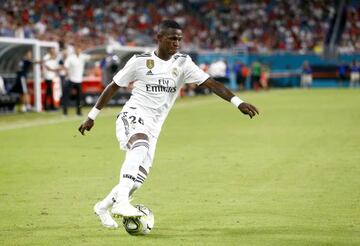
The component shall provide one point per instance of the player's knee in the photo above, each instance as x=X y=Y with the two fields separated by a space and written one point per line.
x=140 y=144
x=138 y=140
x=134 y=156
x=139 y=149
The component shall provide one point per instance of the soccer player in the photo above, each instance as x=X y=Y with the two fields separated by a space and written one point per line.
x=157 y=78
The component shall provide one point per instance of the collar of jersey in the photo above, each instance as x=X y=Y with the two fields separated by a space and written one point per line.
x=159 y=59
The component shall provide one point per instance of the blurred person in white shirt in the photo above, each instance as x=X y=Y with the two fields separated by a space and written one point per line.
x=217 y=70
x=74 y=65
x=51 y=69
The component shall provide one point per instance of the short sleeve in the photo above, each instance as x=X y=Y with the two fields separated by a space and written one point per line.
x=126 y=74
x=85 y=57
x=67 y=62
x=194 y=74
x=46 y=57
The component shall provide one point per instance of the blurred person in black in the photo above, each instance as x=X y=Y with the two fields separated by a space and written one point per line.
x=62 y=70
x=240 y=75
x=342 y=73
x=20 y=86
x=255 y=75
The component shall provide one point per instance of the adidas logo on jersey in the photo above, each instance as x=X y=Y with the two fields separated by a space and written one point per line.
x=149 y=73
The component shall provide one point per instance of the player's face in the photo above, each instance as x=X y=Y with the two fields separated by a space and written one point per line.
x=169 y=40
x=28 y=55
x=77 y=49
x=52 y=52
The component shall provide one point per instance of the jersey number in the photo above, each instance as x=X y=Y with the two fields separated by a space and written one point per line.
x=133 y=120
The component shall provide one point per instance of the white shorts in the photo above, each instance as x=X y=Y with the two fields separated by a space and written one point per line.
x=306 y=79
x=129 y=122
x=24 y=85
x=354 y=76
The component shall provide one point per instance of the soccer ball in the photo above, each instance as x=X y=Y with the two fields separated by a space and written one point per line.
x=141 y=225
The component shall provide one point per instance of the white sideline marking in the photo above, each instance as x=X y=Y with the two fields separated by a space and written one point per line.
x=38 y=123
x=61 y=119
x=45 y=122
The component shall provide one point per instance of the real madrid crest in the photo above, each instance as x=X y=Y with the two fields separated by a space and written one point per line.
x=150 y=63
x=175 y=72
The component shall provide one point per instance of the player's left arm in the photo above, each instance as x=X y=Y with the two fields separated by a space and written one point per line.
x=220 y=90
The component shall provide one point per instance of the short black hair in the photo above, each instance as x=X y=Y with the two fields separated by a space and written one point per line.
x=165 y=24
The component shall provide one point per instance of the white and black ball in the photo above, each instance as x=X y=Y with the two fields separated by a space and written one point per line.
x=140 y=225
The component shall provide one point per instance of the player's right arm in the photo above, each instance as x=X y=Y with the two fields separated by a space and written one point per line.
x=121 y=79
x=104 y=98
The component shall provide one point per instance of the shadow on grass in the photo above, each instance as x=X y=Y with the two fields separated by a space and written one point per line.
x=294 y=234
x=281 y=235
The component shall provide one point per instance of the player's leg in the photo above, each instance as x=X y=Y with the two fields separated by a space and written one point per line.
x=138 y=146
x=140 y=179
x=47 y=94
x=129 y=132
x=129 y=172
x=145 y=167
x=302 y=81
x=104 y=216
x=23 y=99
x=51 y=93
x=78 y=98
x=310 y=81
x=141 y=176
x=65 y=96
x=119 y=195
x=27 y=104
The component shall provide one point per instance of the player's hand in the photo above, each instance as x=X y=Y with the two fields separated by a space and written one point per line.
x=86 y=125
x=248 y=109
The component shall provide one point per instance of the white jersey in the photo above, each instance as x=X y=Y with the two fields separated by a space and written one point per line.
x=51 y=63
x=75 y=65
x=157 y=84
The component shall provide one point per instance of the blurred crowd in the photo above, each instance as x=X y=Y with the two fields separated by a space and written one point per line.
x=350 y=41
x=263 y=26
x=253 y=76
x=258 y=26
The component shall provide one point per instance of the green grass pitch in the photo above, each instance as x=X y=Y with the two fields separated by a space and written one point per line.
x=288 y=177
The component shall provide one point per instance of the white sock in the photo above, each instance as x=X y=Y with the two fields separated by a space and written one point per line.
x=130 y=169
x=109 y=199
x=128 y=174
x=140 y=179
x=135 y=187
